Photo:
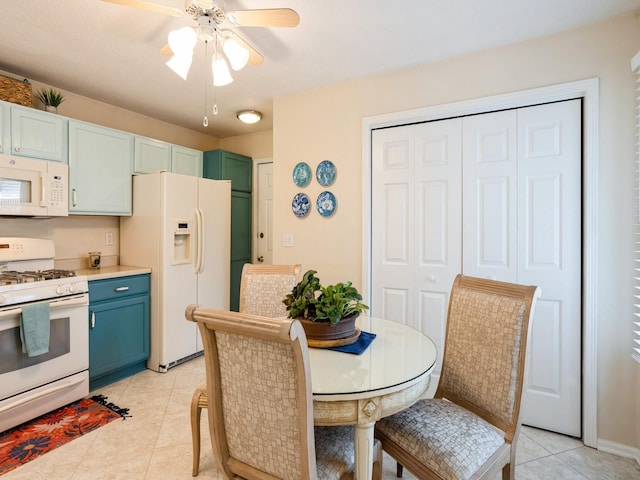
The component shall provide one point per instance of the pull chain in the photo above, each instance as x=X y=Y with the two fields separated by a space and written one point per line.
x=205 y=120
x=215 y=56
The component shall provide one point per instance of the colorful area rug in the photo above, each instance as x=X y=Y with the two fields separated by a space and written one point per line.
x=28 y=441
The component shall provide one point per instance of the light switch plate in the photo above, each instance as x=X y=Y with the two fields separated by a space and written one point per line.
x=287 y=239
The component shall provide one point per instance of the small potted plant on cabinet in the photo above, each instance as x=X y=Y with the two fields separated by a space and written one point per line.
x=50 y=98
x=326 y=313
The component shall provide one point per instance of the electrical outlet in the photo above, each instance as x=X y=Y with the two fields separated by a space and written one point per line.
x=108 y=239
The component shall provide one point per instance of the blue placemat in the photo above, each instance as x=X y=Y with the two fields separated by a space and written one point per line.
x=359 y=346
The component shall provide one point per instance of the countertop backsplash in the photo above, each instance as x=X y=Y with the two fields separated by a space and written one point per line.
x=74 y=237
x=83 y=262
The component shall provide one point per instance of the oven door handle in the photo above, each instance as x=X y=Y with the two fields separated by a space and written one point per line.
x=54 y=304
x=35 y=396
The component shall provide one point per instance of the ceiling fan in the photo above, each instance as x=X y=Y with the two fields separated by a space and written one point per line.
x=210 y=16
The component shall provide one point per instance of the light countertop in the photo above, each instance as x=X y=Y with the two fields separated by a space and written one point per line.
x=112 y=272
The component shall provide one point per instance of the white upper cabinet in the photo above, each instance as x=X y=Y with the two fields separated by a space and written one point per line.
x=100 y=169
x=151 y=155
x=186 y=161
x=37 y=134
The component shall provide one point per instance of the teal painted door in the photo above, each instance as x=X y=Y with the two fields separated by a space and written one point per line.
x=240 y=247
x=223 y=165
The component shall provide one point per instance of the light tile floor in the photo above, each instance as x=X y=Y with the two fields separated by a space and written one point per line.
x=155 y=443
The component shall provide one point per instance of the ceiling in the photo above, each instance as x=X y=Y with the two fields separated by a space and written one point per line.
x=112 y=53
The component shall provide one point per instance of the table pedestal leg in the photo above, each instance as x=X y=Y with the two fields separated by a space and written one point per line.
x=364 y=451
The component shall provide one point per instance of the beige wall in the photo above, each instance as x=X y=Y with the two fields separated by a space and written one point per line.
x=327 y=124
x=254 y=145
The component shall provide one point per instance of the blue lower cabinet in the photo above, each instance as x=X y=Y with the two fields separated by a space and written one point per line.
x=118 y=328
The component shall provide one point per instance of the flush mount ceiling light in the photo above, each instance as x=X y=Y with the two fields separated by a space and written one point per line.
x=249 y=116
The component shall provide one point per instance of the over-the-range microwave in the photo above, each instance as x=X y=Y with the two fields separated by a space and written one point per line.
x=33 y=188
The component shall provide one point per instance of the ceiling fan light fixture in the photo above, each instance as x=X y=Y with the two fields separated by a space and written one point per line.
x=221 y=74
x=238 y=55
x=203 y=4
x=249 y=116
x=182 y=41
x=180 y=64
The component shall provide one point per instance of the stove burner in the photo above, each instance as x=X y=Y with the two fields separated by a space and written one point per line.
x=55 y=273
x=13 y=277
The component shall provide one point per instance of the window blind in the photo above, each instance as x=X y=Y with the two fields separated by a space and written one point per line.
x=635 y=352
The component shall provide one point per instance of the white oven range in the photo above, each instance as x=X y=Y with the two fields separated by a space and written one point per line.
x=31 y=386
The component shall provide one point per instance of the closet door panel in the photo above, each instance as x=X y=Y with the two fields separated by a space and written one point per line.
x=490 y=196
x=438 y=174
x=549 y=163
x=392 y=247
x=416 y=236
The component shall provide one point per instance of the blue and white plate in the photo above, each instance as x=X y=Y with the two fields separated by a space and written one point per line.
x=302 y=174
x=326 y=204
x=326 y=173
x=300 y=205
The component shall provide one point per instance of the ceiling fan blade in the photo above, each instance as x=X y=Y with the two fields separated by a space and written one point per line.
x=166 y=50
x=271 y=17
x=154 y=7
x=254 y=57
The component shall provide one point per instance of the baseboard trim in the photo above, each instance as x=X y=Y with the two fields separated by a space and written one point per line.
x=619 y=450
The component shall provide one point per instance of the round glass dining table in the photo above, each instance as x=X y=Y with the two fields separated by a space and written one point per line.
x=389 y=376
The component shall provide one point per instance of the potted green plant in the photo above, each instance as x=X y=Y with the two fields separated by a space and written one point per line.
x=50 y=98
x=326 y=313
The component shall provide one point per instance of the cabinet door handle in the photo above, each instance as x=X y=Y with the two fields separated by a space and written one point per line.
x=93 y=319
x=74 y=197
x=121 y=289
x=17 y=148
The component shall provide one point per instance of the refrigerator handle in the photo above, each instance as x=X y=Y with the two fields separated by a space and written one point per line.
x=199 y=261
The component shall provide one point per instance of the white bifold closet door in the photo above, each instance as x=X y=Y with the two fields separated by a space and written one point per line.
x=495 y=195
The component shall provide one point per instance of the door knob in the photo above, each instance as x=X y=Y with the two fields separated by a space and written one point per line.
x=261 y=259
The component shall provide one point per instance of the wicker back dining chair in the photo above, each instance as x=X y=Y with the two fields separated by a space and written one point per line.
x=260 y=401
x=470 y=428
x=262 y=289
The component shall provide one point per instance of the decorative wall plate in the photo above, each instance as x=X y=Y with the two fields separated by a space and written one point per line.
x=300 y=205
x=326 y=204
x=302 y=174
x=326 y=173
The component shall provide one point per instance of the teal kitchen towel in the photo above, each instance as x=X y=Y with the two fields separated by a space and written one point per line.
x=34 y=329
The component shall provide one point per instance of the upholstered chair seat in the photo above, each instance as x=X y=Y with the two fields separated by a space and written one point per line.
x=334 y=451
x=437 y=429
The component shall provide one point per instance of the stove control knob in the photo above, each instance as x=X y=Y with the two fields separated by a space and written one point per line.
x=59 y=289
x=72 y=287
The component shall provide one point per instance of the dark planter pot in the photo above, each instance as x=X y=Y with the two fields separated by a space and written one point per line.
x=345 y=328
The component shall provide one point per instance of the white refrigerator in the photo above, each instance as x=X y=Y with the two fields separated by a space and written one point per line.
x=181 y=229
